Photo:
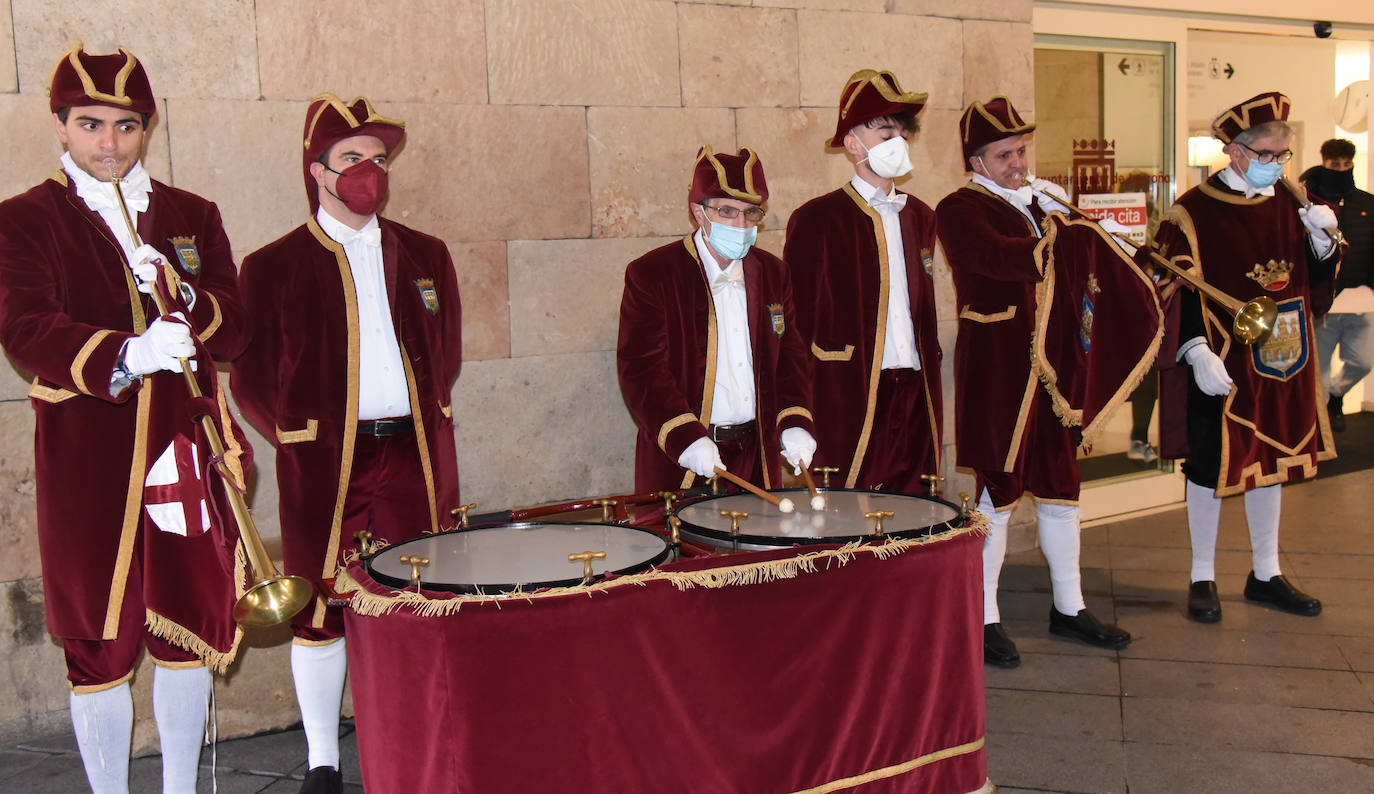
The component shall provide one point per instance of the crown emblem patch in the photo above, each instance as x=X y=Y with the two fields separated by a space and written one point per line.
x=1273 y=276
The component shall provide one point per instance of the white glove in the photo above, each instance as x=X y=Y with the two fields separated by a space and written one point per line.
x=1208 y=370
x=1112 y=227
x=145 y=264
x=159 y=347
x=1318 y=218
x=702 y=457
x=1052 y=197
x=798 y=447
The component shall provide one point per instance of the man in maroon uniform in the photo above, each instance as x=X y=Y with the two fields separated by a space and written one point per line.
x=709 y=359
x=75 y=311
x=861 y=259
x=355 y=345
x=1254 y=414
x=1007 y=430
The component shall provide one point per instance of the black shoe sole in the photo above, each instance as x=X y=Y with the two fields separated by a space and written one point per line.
x=1204 y=617
x=1306 y=613
x=1073 y=635
x=1004 y=664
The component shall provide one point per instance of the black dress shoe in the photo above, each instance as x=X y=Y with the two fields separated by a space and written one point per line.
x=998 y=649
x=1336 y=412
x=1281 y=594
x=1203 y=604
x=1086 y=627
x=323 y=780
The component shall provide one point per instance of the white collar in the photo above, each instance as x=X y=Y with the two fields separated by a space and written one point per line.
x=1020 y=199
x=1236 y=182
x=344 y=234
x=98 y=195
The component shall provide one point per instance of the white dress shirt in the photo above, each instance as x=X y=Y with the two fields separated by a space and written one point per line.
x=382 y=389
x=733 y=400
x=899 y=345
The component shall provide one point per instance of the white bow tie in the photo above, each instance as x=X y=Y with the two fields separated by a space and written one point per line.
x=879 y=202
x=101 y=195
x=726 y=279
x=371 y=235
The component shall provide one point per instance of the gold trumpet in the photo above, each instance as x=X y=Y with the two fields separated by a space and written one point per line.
x=273 y=598
x=1253 y=320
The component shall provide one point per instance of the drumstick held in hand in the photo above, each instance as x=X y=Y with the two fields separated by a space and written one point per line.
x=784 y=504
x=817 y=501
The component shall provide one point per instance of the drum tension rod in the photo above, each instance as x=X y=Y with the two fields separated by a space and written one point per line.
x=933 y=480
x=877 y=516
x=416 y=562
x=825 y=472
x=668 y=498
x=364 y=539
x=586 y=558
x=963 y=504
x=734 y=516
x=607 y=509
x=461 y=513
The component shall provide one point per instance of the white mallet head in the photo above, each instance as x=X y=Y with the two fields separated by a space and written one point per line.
x=786 y=506
x=818 y=502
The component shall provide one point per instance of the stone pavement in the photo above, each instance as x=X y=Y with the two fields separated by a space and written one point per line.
x=1262 y=701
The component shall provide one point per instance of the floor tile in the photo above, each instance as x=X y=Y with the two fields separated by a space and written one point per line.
x=1044 y=672
x=1168 y=769
x=1054 y=714
x=1239 y=726
x=1042 y=763
x=1239 y=683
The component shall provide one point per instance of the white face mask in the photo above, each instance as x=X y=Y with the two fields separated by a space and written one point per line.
x=889 y=159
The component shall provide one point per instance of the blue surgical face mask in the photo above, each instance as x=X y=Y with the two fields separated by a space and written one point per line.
x=732 y=242
x=1262 y=175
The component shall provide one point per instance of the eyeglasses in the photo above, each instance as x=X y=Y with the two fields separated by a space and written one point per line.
x=1269 y=157
x=729 y=212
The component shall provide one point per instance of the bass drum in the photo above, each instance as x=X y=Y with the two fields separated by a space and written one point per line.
x=526 y=556
x=841 y=521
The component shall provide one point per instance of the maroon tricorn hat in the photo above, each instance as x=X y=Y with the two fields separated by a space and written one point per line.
x=870 y=94
x=328 y=120
x=734 y=176
x=1257 y=110
x=115 y=80
x=986 y=122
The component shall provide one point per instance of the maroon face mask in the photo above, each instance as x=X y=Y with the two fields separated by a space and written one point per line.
x=362 y=187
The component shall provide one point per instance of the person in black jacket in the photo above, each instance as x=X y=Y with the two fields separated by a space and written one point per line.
x=1350 y=323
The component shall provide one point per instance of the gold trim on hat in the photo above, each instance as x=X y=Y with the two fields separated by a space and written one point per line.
x=1240 y=114
x=981 y=109
x=88 y=83
x=871 y=77
x=748 y=194
x=345 y=110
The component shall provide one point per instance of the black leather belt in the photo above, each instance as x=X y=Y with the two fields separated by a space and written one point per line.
x=722 y=434
x=386 y=427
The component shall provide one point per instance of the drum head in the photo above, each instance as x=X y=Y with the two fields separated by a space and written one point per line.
x=527 y=556
x=842 y=520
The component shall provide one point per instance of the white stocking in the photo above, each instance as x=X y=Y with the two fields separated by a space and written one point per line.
x=994 y=552
x=319 y=672
x=1057 y=526
x=1262 y=514
x=1204 y=515
x=104 y=725
x=181 y=704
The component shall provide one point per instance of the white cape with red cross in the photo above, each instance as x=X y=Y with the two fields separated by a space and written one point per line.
x=173 y=493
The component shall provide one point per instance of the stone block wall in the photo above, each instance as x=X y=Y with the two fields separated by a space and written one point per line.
x=548 y=143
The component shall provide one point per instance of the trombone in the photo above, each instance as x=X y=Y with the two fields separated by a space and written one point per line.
x=1254 y=319
x=273 y=598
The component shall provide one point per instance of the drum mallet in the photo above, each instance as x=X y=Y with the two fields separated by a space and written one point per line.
x=784 y=504
x=817 y=501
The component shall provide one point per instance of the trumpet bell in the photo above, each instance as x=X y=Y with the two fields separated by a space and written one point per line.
x=1255 y=320
x=272 y=601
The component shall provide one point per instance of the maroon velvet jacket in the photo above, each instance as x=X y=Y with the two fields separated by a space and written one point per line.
x=666 y=359
x=297 y=380
x=1274 y=423
x=992 y=248
x=67 y=306
x=837 y=252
